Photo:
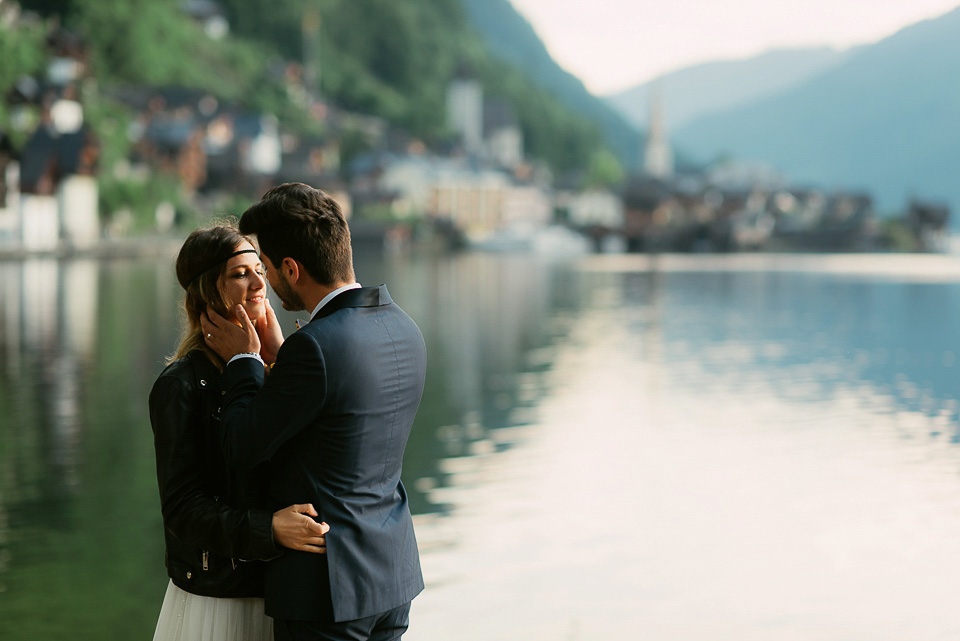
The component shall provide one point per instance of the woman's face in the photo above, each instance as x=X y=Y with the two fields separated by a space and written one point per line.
x=243 y=283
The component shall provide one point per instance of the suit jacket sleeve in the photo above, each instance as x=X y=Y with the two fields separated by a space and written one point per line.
x=190 y=513
x=259 y=415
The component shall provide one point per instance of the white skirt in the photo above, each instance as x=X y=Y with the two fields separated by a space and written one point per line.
x=188 y=617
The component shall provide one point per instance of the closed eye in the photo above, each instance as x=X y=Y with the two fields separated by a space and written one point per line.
x=244 y=273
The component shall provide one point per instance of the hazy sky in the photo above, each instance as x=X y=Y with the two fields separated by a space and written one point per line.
x=616 y=44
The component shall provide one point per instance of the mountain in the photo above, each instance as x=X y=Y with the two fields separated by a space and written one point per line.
x=509 y=35
x=885 y=119
x=692 y=92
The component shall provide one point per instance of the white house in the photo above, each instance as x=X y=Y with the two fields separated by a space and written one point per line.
x=479 y=201
x=594 y=208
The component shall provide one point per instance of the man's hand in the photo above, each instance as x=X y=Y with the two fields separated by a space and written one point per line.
x=293 y=528
x=271 y=338
x=225 y=338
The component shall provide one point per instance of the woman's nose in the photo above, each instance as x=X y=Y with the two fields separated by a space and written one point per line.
x=257 y=282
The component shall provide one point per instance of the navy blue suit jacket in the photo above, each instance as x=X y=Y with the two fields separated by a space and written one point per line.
x=331 y=422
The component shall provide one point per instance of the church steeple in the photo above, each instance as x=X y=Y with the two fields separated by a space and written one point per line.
x=465 y=109
x=657 y=156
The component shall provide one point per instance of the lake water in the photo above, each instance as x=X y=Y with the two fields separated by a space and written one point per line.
x=679 y=448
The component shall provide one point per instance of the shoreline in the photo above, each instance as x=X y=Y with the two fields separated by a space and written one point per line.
x=940 y=263
x=135 y=247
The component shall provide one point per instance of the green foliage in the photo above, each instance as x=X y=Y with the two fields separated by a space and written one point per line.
x=23 y=52
x=896 y=235
x=59 y=8
x=353 y=143
x=111 y=122
x=379 y=212
x=604 y=169
x=551 y=131
x=274 y=22
x=152 y=43
x=126 y=196
x=393 y=60
x=135 y=200
x=509 y=37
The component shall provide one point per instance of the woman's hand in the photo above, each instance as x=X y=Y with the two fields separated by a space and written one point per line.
x=293 y=528
x=271 y=338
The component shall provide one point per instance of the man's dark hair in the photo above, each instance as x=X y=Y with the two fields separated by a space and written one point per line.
x=303 y=223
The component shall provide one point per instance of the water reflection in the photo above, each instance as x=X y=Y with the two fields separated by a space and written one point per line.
x=723 y=454
x=39 y=394
x=47 y=331
x=73 y=449
x=598 y=444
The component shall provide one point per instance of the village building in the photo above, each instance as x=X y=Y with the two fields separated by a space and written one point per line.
x=477 y=200
x=503 y=138
x=465 y=110
x=50 y=196
x=657 y=154
x=929 y=223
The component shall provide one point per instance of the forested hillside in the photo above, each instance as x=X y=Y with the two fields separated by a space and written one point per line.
x=511 y=38
x=388 y=59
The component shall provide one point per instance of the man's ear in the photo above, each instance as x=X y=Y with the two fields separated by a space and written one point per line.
x=291 y=269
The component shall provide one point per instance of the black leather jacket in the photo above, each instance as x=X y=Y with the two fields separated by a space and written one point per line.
x=209 y=525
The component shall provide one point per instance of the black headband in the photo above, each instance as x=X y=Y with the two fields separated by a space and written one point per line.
x=218 y=261
x=242 y=251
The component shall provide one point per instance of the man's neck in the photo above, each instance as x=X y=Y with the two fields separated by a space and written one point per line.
x=313 y=297
x=316 y=294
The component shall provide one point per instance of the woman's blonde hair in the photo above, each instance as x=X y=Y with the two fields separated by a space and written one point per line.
x=200 y=265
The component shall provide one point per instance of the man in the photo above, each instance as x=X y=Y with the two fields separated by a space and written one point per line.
x=330 y=415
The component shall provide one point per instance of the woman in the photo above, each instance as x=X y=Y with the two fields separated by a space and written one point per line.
x=213 y=523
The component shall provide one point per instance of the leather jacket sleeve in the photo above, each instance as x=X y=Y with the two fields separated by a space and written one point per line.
x=190 y=512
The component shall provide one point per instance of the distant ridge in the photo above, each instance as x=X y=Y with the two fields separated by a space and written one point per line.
x=885 y=119
x=509 y=35
x=694 y=91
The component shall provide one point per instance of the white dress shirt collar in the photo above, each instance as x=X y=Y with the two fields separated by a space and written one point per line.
x=329 y=297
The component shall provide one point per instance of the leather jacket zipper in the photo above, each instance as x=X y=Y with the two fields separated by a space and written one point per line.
x=206 y=553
